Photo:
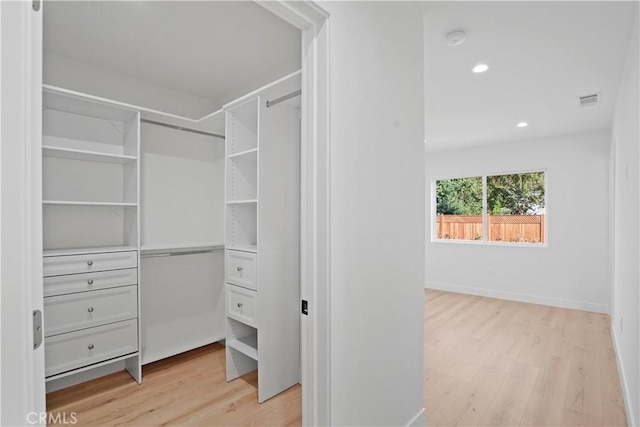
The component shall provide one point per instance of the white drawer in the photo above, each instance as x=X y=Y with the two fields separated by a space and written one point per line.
x=66 y=313
x=72 y=264
x=242 y=305
x=68 y=284
x=77 y=349
x=241 y=269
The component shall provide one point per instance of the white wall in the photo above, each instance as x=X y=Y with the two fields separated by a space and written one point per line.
x=78 y=76
x=182 y=187
x=377 y=213
x=626 y=295
x=573 y=270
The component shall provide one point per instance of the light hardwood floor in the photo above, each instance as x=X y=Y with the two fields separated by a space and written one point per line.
x=487 y=362
x=188 y=389
x=495 y=362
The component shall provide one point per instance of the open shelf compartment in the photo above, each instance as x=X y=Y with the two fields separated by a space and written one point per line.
x=246 y=345
x=81 y=180
x=242 y=127
x=87 y=226
x=73 y=122
x=242 y=348
x=242 y=225
x=242 y=177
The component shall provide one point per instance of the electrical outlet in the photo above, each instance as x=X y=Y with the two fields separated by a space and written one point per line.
x=621 y=324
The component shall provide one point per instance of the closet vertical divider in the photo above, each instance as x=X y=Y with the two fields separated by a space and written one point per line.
x=241 y=237
x=262 y=244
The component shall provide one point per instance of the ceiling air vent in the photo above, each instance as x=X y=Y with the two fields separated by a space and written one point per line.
x=588 y=100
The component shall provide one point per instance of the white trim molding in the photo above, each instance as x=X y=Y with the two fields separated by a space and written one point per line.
x=515 y=296
x=22 y=365
x=624 y=384
x=314 y=205
x=419 y=420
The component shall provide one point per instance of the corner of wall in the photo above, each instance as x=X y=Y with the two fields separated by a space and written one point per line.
x=626 y=243
x=624 y=384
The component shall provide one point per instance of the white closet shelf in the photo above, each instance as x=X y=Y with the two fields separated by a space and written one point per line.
x=94 y=156
x=92 y=250
x=68 y=101
x=242 y=202
x=246 y=345
x=82 y=203
x=243 y=153
x=244 y=248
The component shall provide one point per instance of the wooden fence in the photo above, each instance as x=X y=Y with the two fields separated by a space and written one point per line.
x=501 y=228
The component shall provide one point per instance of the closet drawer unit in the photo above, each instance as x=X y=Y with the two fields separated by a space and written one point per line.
x=73 y=350
x=242 y=305
x=68 y=284
x=85 y=263
x=82 y=310
x=241 y=269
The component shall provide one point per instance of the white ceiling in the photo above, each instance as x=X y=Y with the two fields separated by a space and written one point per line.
x=215 y=50
x=542 y=56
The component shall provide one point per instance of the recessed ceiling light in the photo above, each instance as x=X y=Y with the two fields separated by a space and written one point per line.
x=523 y=124
x=480 y=68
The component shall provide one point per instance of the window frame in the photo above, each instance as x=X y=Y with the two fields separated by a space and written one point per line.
x=485 y=216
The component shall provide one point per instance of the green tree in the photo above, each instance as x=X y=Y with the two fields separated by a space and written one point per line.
x=516 y=194
x=460 y=196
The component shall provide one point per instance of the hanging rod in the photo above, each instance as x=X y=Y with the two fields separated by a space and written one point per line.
x=167 y=125
x=179 y=253
x=166 y=254
x=284 y=98
x=177 y=250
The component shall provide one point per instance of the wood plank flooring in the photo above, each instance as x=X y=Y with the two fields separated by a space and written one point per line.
x=491 y=362
x=487 y=362
x=184 y=390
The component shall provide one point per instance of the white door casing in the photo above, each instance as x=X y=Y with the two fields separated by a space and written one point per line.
x=23 y=391
x=313 y=21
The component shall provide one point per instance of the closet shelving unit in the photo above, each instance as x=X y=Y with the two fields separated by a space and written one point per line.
x=262 y=245
x=90 y=173
x=91 y=177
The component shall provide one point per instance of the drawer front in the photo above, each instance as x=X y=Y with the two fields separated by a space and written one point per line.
x=66 y=313
x=86 y=263
x=241 y=269
x=242 y=305
x=68 y=284
x=77 y=349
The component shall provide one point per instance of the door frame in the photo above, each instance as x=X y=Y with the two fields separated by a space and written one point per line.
x=315 y=219
x=23 y=388
x=21 y=140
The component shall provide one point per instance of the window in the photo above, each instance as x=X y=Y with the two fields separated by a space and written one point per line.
x=497 y=208
x=459 y=208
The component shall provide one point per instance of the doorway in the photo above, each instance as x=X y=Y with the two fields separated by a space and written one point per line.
x=307 y=17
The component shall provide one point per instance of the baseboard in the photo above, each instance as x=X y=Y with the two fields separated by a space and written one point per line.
x=150 y=357
x=419 y=420
x=84 y=376
x=514 y=296
x=631 y=421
